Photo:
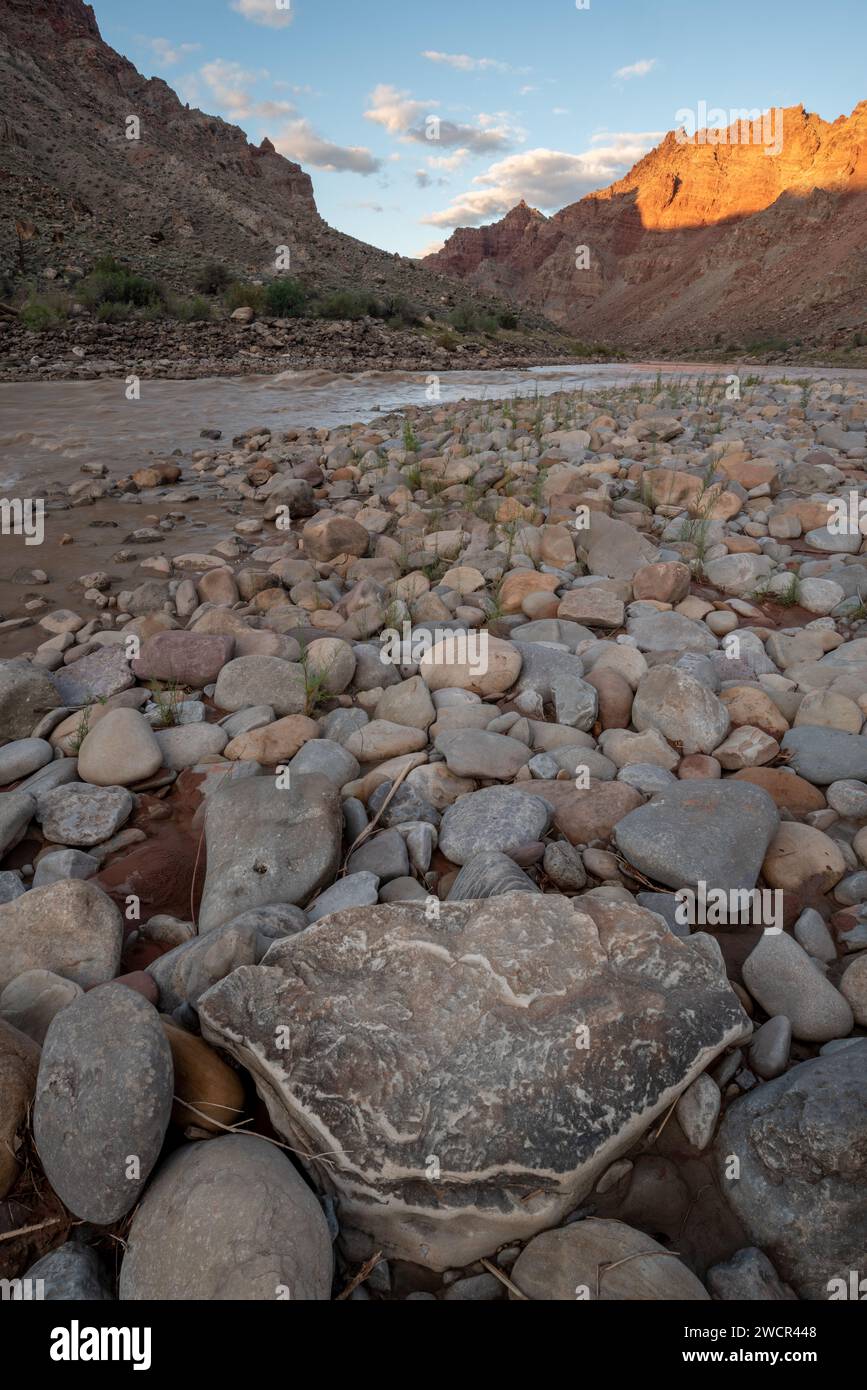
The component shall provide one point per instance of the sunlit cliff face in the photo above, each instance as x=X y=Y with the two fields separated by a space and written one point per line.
x=700 y=175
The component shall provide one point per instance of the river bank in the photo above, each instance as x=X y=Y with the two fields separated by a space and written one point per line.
x=415 y=915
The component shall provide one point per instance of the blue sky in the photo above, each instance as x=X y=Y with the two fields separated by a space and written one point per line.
x=544 y=100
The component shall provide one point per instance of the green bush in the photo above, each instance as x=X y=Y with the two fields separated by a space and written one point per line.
x=285 y=299
x=43 y=311
x=244 y=295
x=508 y=320
x=213 y=278
x=110 y=312
x=349 y=304
x=195 y=310
x=468 y=320
x=112 y=283
x=400 y=312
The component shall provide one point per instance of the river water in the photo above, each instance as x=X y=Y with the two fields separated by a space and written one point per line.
x=72 y=422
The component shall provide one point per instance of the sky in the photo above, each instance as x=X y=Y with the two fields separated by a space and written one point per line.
x=416 y=116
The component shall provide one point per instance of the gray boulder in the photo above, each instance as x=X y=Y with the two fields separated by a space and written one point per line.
x=103 y=1101
x=185 y=973
x=82 y=815
x=230 y=1220
x=496 y=818
x=489 y=876
x=71 y=928
x=269 y=844
x=798 y=1184
x=824 y=756
x=717 y=832
x=71 y=1274
x=26 y=694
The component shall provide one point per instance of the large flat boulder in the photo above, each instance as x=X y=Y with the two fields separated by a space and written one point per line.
x=269 y=844
x=469 y=1078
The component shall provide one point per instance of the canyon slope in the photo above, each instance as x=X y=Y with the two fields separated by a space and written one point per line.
x=190 y=190
x=700 y=247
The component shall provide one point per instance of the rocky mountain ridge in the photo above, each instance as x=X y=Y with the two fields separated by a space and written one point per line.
x=701 y=245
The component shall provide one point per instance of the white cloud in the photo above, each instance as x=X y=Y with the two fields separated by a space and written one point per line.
x=299 y=141
x=525 y=91
x=396 y=111
x=403 y=115
x=170 y=53
x=547 y=179
x=462 y=62
x=449 y=161
x=228 y=84
x=274 y=14
x=639 y=69
x=429 y=249
x=273 y=110
x=560 y=111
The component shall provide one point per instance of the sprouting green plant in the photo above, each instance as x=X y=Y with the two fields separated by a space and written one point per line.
x=167 y=699
x=410 y=439
x=790 y=596
x=82 y=729
x=316 y=690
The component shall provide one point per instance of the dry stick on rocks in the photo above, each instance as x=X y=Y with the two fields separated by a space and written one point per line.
x=369 y=829
x=504 y=1279
x=236 y=1129
x=40 y=1226
x=196 y=865
x=639 y=1255
x=364 y=1273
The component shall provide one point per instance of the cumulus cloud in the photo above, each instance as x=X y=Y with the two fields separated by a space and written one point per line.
x=449 y=161
x=429 y=250
x=273 y=110
x=547 y=179
x=274 y=14
x=395 y=111
x=171 y=53
x=403 y=115
x=462 y=62
x=228 y=85
x=299 y=141
x=639 y=69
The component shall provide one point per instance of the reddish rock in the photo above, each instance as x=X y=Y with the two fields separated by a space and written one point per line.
x=615 y=698
x=666 y=582
x=194 y=659
x=326 y=538
x=789 y=791
x=698 y=767
x=140 y=982
x=586 y=815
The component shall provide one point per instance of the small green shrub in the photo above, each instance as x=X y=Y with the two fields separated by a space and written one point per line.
x=400 y=312
x=349 y=304
x=213 y=278
x=113 y=312
x=285 y=299
x=43 y=311
x=195 y=310
x=245 y=295
x=112 y=283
